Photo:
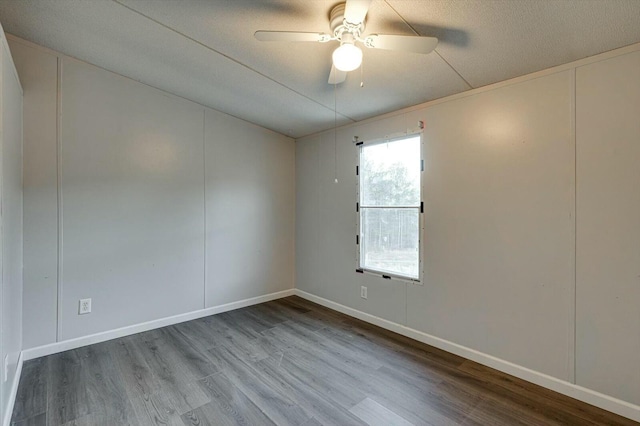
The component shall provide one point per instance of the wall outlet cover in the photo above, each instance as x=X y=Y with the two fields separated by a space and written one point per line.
x=363 y=292
x=84 y=306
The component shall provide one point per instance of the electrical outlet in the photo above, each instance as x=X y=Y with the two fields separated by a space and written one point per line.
x=85 y=307
x=6 y=367
x=363 y=292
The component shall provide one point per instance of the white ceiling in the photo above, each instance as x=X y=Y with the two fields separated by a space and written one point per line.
x=204 y=50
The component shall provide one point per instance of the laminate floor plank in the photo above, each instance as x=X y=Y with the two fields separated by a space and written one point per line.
x=301 y=337
x=176 y=380
x=105 y=389
x=133 y=367
x=331 y=383
x=302 y=313
x=325 y=402
x=271 y=313
x=404 y=400
x=93 y=420
x=390 y=353
x=237 y=324
x=200 y=333
x=155 y=409
x=276 y=312
x=67 y=397
x=189 y=354
x=247 y=318
x=434 y=403
x=251 y=349
x=206 y=332
x=284 y=362
x=213 y=328
x=494 y=412
x=375 y=414
x=314 y=307
x=375 y=355
x=32 y=392
x=150 y=404
x=260 y=321
x=228 y=406
x=37 y=420
x=308 y=320
x=400 y=343
x=291 y=305
x=556 y=404
x=324 y=362
x=462 y=384
x=261 y=390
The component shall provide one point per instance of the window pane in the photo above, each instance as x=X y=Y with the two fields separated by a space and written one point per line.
x=390 y=173
x=390 y=240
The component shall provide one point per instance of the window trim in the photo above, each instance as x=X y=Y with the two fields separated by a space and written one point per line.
x=421 y=221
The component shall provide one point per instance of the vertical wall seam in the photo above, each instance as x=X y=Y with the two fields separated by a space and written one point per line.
x=575 y=226
x=294 y=276
x=59 y=197
x=2 y=249
x=204 y=206
x=21 y=337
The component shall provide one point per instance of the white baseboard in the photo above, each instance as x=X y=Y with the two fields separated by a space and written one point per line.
x=66 y=345
x=580 y=393
x=13 y=392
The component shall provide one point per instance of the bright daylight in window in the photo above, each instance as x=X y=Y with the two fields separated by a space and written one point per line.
x=389 y=192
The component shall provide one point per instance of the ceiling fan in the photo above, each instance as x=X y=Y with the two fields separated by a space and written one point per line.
x=347 y=22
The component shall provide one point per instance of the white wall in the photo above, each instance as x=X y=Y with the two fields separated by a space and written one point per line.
x=133 y=177
x=38 y=74
x=250 y=218
x=500 y=212
x=132 y=194
x=10 y=223
x=499 y=219
x=608 y=231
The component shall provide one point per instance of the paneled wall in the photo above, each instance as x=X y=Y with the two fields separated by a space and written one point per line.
x=149 y=204
x=250 y=220
x=132 y=197
x=608 y=231
x=38 y=74
x=501 y=276
x=499 y=218
x=10 y=224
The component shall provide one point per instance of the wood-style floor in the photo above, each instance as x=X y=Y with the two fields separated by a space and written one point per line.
x=286 y=362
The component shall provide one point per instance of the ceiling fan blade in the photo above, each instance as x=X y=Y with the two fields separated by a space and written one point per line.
x=414 y=44
x=356 y=10
x=336 y=76
x=290 y=36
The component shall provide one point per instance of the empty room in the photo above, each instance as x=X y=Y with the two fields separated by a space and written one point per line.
x=319 y=212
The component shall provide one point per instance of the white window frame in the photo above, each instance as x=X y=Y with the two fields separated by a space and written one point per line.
x=384 y=274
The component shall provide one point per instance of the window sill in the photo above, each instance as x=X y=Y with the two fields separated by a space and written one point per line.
x=389 y=276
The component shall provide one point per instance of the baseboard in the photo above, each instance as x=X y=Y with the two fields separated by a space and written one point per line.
x=580 y=393
x=66 y=345
x=13 y=392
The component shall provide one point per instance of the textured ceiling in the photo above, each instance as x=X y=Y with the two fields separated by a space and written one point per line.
x=204 y=50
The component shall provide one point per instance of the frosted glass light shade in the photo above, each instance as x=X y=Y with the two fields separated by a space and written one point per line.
x=347 y=57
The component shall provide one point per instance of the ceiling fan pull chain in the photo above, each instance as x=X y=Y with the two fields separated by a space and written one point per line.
x=362 y=74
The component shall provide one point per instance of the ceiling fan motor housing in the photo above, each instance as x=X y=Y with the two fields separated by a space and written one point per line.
x=339 y=26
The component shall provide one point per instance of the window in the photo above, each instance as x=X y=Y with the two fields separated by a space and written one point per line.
x=389 y=207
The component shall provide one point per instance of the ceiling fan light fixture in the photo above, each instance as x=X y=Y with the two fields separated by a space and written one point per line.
x=347 y=57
